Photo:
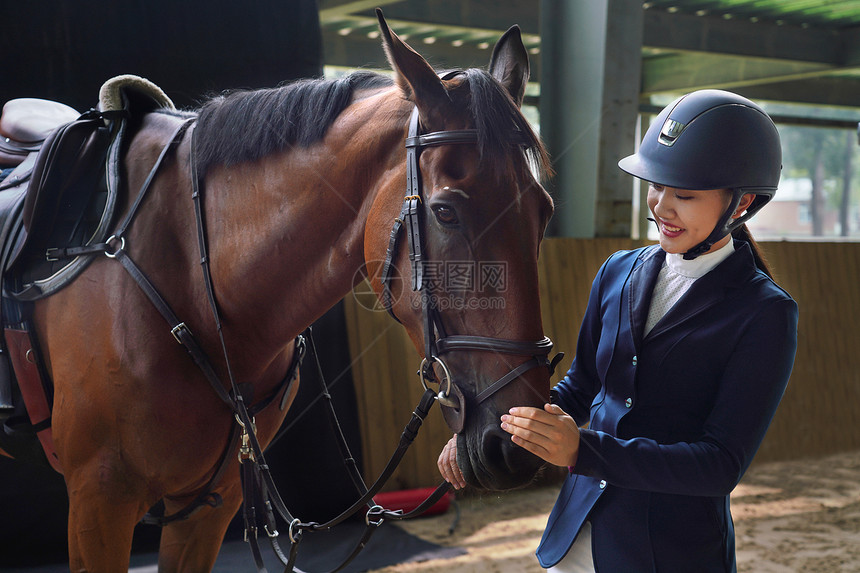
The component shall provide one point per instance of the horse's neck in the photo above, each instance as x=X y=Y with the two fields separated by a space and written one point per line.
x=287 y=232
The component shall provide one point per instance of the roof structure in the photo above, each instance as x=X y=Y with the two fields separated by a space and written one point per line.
x=801 y=51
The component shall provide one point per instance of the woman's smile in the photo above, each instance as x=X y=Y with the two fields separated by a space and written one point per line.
x=669 y=230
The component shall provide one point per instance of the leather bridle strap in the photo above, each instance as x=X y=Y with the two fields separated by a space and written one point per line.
x=410 y=213
x=538 y=350
x=410 y=217
x=534 y=362
x=505 y=346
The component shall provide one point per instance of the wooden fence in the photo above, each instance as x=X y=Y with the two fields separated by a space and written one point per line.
x=818 y=414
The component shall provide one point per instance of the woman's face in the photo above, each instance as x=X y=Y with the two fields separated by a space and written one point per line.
x=685 y=218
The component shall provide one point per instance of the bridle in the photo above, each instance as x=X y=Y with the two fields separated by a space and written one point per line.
x=436 y=341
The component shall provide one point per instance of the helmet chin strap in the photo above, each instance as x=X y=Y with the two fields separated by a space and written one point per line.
x=724 y=226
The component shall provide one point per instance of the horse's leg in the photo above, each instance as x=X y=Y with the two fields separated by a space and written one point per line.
x=101 y=521
x=193 y=545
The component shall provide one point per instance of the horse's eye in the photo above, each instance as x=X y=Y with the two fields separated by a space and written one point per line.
x=445 y=215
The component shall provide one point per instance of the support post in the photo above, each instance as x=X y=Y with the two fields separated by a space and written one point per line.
x=590 y=82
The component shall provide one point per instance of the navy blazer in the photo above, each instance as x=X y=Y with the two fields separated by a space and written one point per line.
x=674 y=418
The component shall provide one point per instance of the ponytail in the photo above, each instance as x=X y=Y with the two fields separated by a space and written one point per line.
x=742 y=233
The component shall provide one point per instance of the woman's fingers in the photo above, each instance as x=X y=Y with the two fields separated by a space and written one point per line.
x=549 y=433
x=447 y=464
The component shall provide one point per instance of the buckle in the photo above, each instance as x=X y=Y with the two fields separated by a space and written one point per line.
x=176 y=330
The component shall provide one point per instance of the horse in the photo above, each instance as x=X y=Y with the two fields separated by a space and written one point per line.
x=303 y=187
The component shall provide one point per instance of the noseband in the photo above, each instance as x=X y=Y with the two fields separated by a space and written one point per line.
x=436 y=341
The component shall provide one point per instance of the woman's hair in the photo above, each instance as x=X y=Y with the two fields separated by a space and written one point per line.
x=742 y=233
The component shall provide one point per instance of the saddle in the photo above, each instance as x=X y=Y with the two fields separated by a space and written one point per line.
x=25 y=123
x=62 y=194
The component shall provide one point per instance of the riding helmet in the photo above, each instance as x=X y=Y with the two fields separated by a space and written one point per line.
x=712 y=139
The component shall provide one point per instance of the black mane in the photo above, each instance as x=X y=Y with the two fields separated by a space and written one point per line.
x=248 y=125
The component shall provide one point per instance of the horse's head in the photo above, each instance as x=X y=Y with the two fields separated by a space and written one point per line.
x=461 y=265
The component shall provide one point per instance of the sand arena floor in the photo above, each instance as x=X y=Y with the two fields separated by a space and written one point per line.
x=789 y=517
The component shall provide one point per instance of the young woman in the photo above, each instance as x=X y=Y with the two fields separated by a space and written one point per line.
x=683 y=356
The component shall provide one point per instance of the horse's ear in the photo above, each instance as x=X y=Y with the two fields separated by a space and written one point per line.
x=415 y=77
x=510 y=64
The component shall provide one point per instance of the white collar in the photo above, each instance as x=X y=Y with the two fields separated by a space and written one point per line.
x=702 y=264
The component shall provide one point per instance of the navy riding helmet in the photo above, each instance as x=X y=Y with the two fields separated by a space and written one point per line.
x=712 y=139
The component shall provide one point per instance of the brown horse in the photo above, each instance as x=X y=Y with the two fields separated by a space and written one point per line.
x=302 y=185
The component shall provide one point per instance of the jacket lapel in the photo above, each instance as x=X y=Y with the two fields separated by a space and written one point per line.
x=708 y=290
x=642 y=282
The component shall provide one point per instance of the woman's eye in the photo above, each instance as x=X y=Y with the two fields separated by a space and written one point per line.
x=445 y=215
x=683 y=197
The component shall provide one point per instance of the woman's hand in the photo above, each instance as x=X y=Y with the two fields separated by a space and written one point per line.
x=550 y=434
x=448 y=467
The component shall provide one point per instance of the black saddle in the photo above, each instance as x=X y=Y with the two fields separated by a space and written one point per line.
x=54 y=204
x=56 y=194
x=62 y=195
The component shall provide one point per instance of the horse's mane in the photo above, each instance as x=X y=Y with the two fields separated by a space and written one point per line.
x=246 y=125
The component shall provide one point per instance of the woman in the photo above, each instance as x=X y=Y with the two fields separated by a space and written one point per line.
x=682 y=358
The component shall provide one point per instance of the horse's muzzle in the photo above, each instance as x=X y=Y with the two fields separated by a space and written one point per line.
x=490 y=460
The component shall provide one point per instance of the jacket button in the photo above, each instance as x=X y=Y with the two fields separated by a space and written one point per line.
x=602 y=484
x=629 y=402
x=635 y=360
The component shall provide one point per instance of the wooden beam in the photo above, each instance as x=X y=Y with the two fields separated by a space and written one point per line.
x=831 y=91
x=481 y=14
x=365 y=52
x=362 y=51
x=681 y=72
x=330 y=9
x=683 y=32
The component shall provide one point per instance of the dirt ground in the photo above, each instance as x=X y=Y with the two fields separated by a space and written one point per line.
x=789 y=517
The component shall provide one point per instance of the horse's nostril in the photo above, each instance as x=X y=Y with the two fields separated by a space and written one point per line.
x=502 y=453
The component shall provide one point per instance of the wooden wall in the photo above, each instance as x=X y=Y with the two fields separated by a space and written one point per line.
x=818 y=414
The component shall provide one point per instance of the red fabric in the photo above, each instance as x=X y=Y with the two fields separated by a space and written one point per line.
x=409 y=499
